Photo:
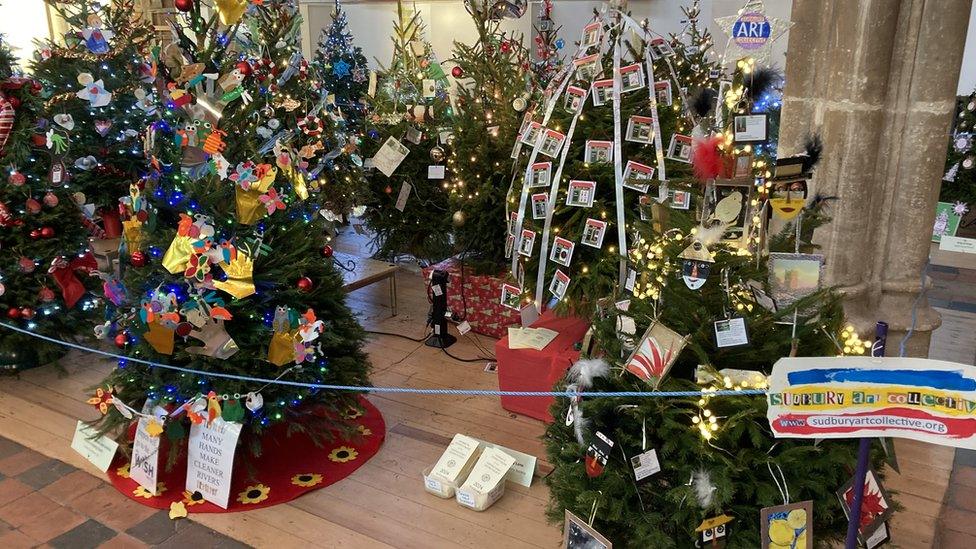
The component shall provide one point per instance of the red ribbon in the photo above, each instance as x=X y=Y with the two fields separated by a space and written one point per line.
x=63 y=272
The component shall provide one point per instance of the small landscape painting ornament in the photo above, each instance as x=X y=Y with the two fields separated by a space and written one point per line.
x=577 y=534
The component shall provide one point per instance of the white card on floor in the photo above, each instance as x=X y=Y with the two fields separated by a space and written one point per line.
x=731 y=332
x=463 y=327
x=401 y=202
x=645 y=464
x=435 y=172
x=99 y=450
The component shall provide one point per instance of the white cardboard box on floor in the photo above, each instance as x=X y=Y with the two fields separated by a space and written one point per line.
x=486 y=482
x=453 y=466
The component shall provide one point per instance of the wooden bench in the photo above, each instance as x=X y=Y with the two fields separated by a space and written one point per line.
x=365 y=271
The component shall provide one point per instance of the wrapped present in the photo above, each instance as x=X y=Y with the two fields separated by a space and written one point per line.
x=476 y=299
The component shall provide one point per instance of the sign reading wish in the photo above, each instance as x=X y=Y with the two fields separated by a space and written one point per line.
x=850 y=397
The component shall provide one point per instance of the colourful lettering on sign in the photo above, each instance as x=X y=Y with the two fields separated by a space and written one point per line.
x=751 y=31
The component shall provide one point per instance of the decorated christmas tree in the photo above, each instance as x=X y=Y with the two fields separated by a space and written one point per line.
x=232 y=274
x=44 y=278
x=959 y=181
x=494 y=91
x=98 y=99
x=342 y=69
x=408 y=137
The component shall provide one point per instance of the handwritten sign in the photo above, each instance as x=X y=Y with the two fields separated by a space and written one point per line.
x=144 y=466
x=99 y=450
x=210 y=460
x=849 y=397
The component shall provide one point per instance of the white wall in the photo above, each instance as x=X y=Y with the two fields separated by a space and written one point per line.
x=23 y=21
x=967 y=78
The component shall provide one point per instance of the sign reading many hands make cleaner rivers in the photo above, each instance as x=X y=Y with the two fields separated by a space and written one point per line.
x=849 y=397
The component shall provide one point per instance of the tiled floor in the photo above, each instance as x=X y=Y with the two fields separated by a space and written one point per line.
x=47 y=503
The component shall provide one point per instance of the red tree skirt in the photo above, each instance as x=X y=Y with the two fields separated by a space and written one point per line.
x=288 y=467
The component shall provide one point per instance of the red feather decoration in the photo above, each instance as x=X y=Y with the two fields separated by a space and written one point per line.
x=706 y=158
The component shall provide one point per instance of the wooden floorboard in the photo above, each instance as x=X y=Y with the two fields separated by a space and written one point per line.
x=383 y=504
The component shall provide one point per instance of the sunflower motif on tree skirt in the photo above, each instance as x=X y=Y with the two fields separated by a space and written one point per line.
x=141 y=491
x=254 y=494
x=353 y=413
x=192 y=498
x=306 y=480
x=343 y=454
x=123 y=471
x=364 y=430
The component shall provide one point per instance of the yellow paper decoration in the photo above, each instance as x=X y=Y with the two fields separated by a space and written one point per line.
x=262 y=185
x=297 y=181
x=160 y=337
x=249 y=208
x=178 y=254
x=230 y=11
x=132 y=232
x=282 y=348
x=153 y=428
x=240 y=273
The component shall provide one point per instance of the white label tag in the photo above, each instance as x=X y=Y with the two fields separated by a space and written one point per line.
x=143 y=467
x=401 y=202
x=434 y=484
x=436 y=288
x=645 y=464
x=957 y=244
x=435 y=172
x=465 y=498
x=463 y=327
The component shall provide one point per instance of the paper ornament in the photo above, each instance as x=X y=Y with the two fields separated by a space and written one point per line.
x=94 y=92
x=697 y=264
x=230 y=11
x=7 y=112
x=64 y=120
x=751 y=33
x=240 y=272
x=160 y=338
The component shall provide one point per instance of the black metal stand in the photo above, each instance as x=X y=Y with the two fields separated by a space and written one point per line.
x=438 y=312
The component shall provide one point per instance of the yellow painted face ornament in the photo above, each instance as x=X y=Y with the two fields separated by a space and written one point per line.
x=788 y=198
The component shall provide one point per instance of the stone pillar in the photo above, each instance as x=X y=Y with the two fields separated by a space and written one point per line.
x=877 y=79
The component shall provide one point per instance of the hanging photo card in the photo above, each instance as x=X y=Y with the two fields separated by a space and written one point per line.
x=541 y=172
x=731 y=332
x=436 y=172
x=509 y=245
x=401 y=201
x=875 y=506
x=577 y=534
x=430 y=88
x=593 y=232
x=531 y=134
x=732 y=209
x=413 y=135
x=679 y=200
x=540 y=203
x=592 y=34
x=788 y=525
x=680 y=148
x=645 y=465
x=660 y=48
x=662 y=91
x=581 y=193
x=390 y=155
x=637 y=176
x=574 y=98
x=794 y=276
x=598 y=152
x=552 y=142
x=750 y=128
x=631 y=78
x=658 y=349
x=644 y=207
x=587 y=68
x=560 y=281
x=640 y=129
x=510 y=296
x=602 y=92
x=210 y=459
x=527 y=242
x=562 y=251
x=512 y=222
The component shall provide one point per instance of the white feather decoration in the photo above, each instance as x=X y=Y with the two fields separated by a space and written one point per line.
x=701 y=481
x=585 y=371
x=710 y=235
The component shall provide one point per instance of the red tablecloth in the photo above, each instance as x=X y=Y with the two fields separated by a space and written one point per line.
x=531 y=370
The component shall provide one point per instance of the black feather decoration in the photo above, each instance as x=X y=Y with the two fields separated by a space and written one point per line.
x=813 y=151
x=764 y=80
x=703 y=102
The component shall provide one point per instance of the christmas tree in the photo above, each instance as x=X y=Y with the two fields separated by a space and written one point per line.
x=233 y=274
x=959 y=182
x=408 y=136
x=493 y=92
x=44 y=280
x=342 y=69
x=98 y=102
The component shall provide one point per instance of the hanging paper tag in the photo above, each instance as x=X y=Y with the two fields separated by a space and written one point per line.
x=401 y=202
x=390 y=155
x=731 y=332
x=144 y=465
x=645 y=465
x=371 y=89
x=464 y=327
x=210 y=460
x=435 y=172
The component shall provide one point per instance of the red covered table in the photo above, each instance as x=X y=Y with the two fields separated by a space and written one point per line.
x=531 y=370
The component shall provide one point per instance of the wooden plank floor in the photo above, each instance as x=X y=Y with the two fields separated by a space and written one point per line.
x=383 y=504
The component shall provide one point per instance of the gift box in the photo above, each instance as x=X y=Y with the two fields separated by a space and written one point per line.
x=482 y=295
x=531 y=370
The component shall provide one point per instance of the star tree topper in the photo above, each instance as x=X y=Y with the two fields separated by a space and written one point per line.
x=751 y=32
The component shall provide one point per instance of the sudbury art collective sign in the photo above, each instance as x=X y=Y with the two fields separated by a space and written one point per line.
x=849 y=397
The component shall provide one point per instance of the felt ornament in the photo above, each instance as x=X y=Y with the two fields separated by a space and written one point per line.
x=706 y=159
x=101 y=399
x=7 y=113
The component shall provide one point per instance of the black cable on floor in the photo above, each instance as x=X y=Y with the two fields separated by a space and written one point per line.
x=459 y=359
x=421 y=340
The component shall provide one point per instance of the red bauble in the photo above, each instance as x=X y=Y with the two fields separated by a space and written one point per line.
x=327 y=251
x=456 y=72
x=17 y=179
x=35 y=234
x=13 y=313
x=305 y=284
x=244 y=67
x=47 y=232
x=138 y=259
x=33 y=206
x=50 y=199
x=26 y=265
x=46 y=294
x=27 y=313
x=506 y=46
x=120 y=340
x=388 y=189
x=184 y=5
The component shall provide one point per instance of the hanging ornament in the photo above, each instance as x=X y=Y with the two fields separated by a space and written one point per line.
x=26 y=265
x=64 y=120
x=437 y=154
x=120 y=340
x=327 y=251
x=46 y=294
x=33 y=206
x=183 y=5
x=311 y=125
x=388 y=189
x=16 y=179
x=230 y=11
x=27 y=313
x=244 y=67
x=751 y=33
x=13 y=313
x=521 y=103
x=696 y=265
x=457 y=72
x=47 y=232
x=35 y=234
x=50 y=199
x=458 y=218
x=3 y=288
x=506 y=46
x=597 y=455
x=7 y=113
x=138 y=259
x=305 y=284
